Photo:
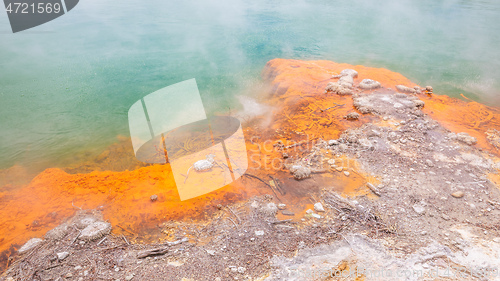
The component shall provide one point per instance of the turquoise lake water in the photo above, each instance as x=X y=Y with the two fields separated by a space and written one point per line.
x=66 y=86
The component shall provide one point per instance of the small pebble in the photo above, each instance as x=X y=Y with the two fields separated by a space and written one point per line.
x=62 y=255
x=318 y=207
x=154 y=197
x=346 y=173
x=315 y=216
x=333 y=142
x=458 y=194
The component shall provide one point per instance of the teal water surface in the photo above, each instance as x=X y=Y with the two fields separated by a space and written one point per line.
x=66 y=86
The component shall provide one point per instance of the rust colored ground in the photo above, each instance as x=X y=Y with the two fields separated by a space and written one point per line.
x=303 y=114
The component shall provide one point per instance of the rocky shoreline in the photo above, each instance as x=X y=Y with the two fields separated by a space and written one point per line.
x=365 y=173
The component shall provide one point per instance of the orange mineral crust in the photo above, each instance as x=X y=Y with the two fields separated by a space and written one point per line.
x=303 y=113
x=298 y=89
x=465 y=116
x=123 y=197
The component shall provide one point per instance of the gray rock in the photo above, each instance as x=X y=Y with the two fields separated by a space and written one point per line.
x=62 y=255
x=365 y=143
x=352 y=116
x=405 y=89
x=369 y=84
x=338 y=89
x=466 y=138
x=300 y=172
x=58 y=232
x=31 y=244
x=343 y=147
x=419 y=103
x=95 y=230
x=269 y=209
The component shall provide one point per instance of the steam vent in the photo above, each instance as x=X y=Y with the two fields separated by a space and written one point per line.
x=353 y=171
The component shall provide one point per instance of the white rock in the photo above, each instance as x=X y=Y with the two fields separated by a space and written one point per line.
x=418 y=209
x=259 y=232
x=318 y=207
x=62 y=255
x=315 y=216
x=241 y=269
x=32 y=243
x=254 y=205
x=333 y=142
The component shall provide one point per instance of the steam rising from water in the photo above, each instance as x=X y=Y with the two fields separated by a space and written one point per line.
x=66 y=86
